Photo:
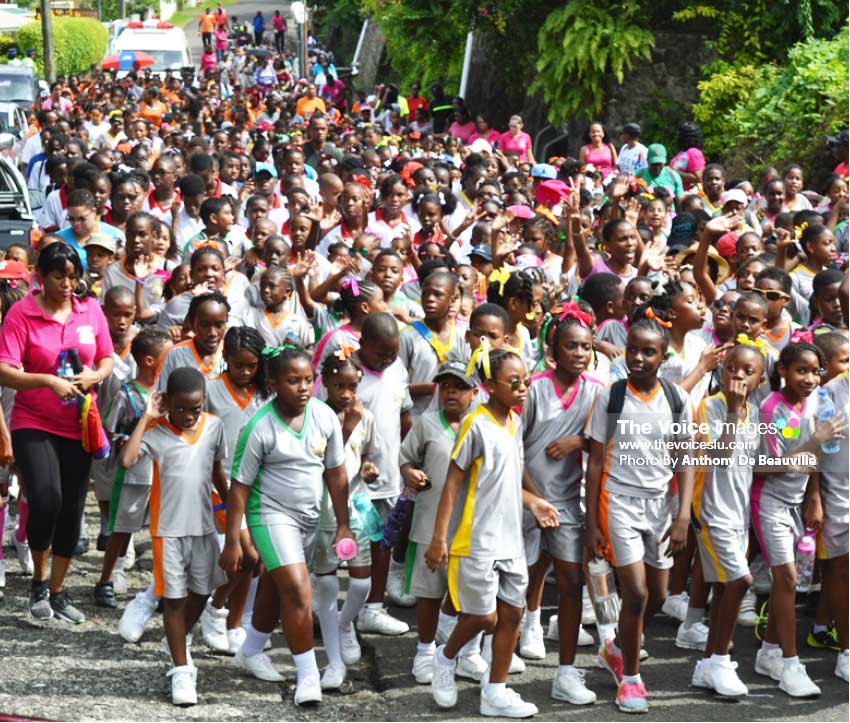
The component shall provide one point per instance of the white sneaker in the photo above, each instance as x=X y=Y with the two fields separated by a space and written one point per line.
x=701 y=677
x=471 y=667
x=531 y=643
x=692 y=638
x=259 y=665
x=333 y=677
x=130 y=557
x=370 y=620
x=24 y=556
x=725 y=681
x=443 y=686
x=349 y=645
x=183 y=681
x=517 y=664
x=135 y=617
x=308 y=691
x=506 y=703
x=676 y=606
x=769 y=663
x=588 y=614
x=166 y=649
x=214 y=628
x=395 y=589
x=569 y=686
x=796 y=681
x=119 y=581
x=841 y=665
x=584 y=637
x=423 y=668
x=747 y=615
x=235 y=638
x=444 y=629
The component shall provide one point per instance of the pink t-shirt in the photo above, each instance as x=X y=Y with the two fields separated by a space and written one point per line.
x=32 y=340
x=602 y=159
x=689 y=161
x=491 y=137
x=520 y=145
x=456 y=130
x=278 y=23
x=600 y=266
x=208 y=61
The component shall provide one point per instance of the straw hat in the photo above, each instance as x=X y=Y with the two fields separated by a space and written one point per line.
x=723 y=269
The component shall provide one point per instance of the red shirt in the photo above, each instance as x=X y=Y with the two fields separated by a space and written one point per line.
x=413 y=104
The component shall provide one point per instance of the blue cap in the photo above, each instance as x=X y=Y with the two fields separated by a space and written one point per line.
x=483 y=251
x=265 y=167
x=544 y=170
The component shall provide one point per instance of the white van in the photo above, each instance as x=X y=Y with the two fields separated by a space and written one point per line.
x=165 y=43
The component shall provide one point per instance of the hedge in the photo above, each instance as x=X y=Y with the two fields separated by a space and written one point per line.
x=78 y=43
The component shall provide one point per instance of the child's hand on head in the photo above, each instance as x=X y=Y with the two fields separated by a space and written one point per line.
x=155 y=408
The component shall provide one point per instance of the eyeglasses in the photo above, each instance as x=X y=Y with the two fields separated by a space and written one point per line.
x=516 y=384
x=721 y=303
x=772 y=294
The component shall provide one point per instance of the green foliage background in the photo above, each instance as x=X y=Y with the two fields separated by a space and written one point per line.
x=78 y=43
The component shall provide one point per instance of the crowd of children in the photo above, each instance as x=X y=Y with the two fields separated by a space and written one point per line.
x=451 y=379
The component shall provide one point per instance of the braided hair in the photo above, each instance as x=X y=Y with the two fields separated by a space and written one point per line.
x=244 y=338
x=518 y=286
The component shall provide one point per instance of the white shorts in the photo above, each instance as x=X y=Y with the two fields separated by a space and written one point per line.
x=633 y=528
x=284 y=542
x=476 y=585
x=325 y=560
x=421 y=582
x=777 y=526
x=723 y=552
x=565 y=542
x=181 y=564
x=833 y=538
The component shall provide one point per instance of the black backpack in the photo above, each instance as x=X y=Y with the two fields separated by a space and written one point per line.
x=618 y=398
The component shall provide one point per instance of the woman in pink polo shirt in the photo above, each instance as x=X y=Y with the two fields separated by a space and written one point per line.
x=516 y=140
x=45 y=425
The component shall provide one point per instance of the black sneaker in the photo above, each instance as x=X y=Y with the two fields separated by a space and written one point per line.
x=104 y=595
x=40 y=608
x=102 y=541
x=62 y=608
x=824 y=639
x=82 y=547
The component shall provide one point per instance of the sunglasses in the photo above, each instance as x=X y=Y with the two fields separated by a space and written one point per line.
x=721 y=303
x=772 y=294
x=516 y=384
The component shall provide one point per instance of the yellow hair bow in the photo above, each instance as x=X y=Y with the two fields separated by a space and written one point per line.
x=480 y=355
x=501 y=276
x=759 y=344
x=798 y=230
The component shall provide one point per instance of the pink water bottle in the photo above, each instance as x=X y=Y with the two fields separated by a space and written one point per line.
x=346 y=549
x=805 y=560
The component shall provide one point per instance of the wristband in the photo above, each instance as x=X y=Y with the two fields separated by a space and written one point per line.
x=220 y=507
x=142 y=282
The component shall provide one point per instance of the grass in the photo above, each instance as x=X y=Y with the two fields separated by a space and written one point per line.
x=183 y=17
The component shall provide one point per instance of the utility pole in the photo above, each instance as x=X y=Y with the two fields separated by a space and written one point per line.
x=47 y=39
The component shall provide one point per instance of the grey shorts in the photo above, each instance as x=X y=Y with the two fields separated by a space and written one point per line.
x=325 y=560
x=103 y=475
x=777 y=526
x=833 y=538
x=565 y=542
x=476 y=585
x=181 y=564
x=723 y=553
x=634 y=526
x=284 y=542
x=128 y=508
x=421 y=581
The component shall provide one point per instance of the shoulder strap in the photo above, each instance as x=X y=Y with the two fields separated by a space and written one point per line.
x=673 y=398
x=423 y=330
x=134 y=397
x=615 y=406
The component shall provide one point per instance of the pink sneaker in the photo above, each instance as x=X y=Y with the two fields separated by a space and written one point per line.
x=631 y=698
x=611 y=659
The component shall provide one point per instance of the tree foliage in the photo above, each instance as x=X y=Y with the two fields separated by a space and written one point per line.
x=78 y=43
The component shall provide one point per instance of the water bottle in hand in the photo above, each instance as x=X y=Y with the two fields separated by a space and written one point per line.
x=606 y=602
x=804 y=558
x=825 y=412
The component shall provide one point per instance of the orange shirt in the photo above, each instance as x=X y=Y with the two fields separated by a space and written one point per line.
x=207 y=23
x=307 y=106
x=153 y=113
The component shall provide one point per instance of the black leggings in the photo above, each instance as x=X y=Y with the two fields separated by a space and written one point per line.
x=56 y=471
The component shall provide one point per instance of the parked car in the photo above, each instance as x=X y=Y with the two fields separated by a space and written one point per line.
x=19 y=88
x=16 y=213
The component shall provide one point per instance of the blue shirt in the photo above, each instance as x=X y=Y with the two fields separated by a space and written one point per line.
x=259 y=24
x=67 y=235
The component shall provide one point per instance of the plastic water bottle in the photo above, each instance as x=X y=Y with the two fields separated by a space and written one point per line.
x=371 y=521
x=606 y=602
x=346 y=549
x=65 y=370
x=805 y=560
x=825 y=412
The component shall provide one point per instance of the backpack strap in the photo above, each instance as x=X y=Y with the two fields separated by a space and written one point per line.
x=134 y=397
x=673 y=398
x=615 y=406
x=440 y=349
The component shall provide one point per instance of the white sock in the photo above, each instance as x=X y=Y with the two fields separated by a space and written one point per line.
x=119 y=564
x=631 y=678
x=426 y=648
x=492 y=688
x=585 y=593
x=149 y=596
x=769 y=646
x=355 y=598
x=719 y=659
x=327 y=592
x=446 y=621
x=473 y=647
x=441 y=656
x=532 y=617
x=396 y=568
x=565 y=668
x=252 y=595
x=305 y=665
x=255 y=641
x=606 y=631
x=788 y=662
x=374 y=606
